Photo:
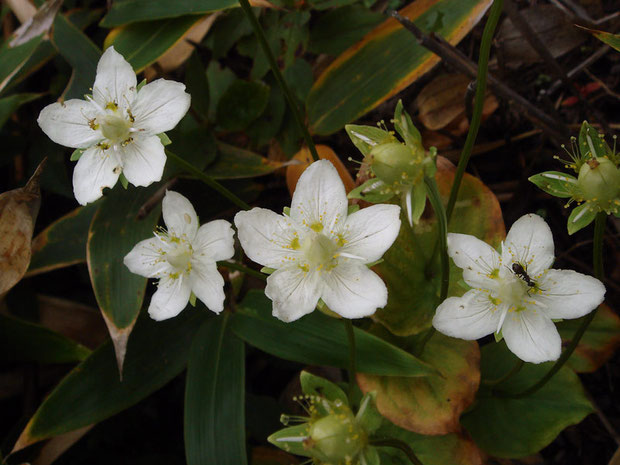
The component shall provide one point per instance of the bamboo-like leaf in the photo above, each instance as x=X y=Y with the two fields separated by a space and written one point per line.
x=13 y=58
x=9 y=105
x=215 y=396
x=386 y=61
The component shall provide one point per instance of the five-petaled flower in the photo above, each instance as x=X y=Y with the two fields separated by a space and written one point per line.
x=516 y=292
x=117 y=127
x=318 y=251
x=183 y=257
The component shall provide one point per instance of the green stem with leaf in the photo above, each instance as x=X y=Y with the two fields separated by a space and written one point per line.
x=260 y=35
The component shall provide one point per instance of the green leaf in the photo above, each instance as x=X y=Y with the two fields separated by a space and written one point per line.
x=338 y=29
x=317 y=339
x=282 y=439
x=316 y=386
x=591 y=143
x=384 y=62
x=22 y=341
x=9 y=105
x=374 y=191
x=242 y=103
x=366 y=137
x=555 y=183
x=144 y=43
x=80 y=52
x=92 y=392
x=298 y=77
x=215 y=396
x=404 y=126
x=63 y=242
x=512 y=428
x=613 y=40
x=76 y=154
x=419 y=404
x=131 y=11
x=220 y=79
x=13 y=58
x=580 y=217
x=235 y=163
x=165 y=140
x=410 y=267
x=197 y=85
x=116 y=228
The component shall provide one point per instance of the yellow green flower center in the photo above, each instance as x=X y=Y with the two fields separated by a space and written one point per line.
x=114 y=127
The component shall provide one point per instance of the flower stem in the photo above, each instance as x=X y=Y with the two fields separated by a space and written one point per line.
x=208 y=180
x=597 y=259
x=260 y=35
x=348 y=324
x=397 y=444
x=481 y=85
x=243 y=269
x=515 y=369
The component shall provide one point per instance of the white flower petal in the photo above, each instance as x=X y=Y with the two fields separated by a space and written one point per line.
x=215 y=240
x=179 y=215
x=146 y=260
x=532 y=336
x=369 y=232
x=115 y=81
x=293 y=292
x=160 y=105
x=469 y=317
x=567 y=294
x=95 y=170
x=353 y=291
x=477 y=259
x=143 y=160
x=207 y=284
x=266 y=237
x=170 y=299
x=67 y=123
x=319 y=200
x=529 y=243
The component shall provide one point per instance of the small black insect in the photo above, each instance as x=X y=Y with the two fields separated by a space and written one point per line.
x=518 y=269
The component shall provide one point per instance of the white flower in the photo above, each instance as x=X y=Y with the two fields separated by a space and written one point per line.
x=117 y=127
x=183 y=258
x=318 y=251
x=516 y=292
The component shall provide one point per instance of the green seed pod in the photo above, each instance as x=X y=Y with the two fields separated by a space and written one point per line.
x=395 y=164
x=336 y=438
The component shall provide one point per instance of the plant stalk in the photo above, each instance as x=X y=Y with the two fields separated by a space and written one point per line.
x=243 y=269
x=348 y=324
x=397 y=444
x=260 y=35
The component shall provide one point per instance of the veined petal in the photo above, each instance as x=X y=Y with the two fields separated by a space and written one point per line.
x=207 y=284
x=95 y=170
x=115 y=81
x=266 y=237
x=320 y=201
x=171 y=298
x=469 y=317
x=529 y=243
x=160 y=105
x=353 y=291
x=478 y=259
x=179 y=215
x=369 y=232
x=567 y=294
x=143 y=160
x=67 y=123
x=215 y=240
x=145 y=259
x=294 y=292
x=532 y=336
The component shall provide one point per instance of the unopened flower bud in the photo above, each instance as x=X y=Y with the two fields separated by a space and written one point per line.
x=335 y=438
x=395 y=163
x=599 y=184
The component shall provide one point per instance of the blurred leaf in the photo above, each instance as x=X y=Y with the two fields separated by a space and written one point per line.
x=144 y=43
x=92 y=391
x=231 y=26
x=220 y=79
x=18 y=213
x=599 y=342
x=22 y=341
x=198 y=85
x=304 y=159
x=242 y=103
x=294 y=33
x=412 y=279
x=39 y=24
x=420 y=404
x=613 y=40
x=9 y=105
x=63 y=242
x=267 y=126
x=338 y=29
x=317 y=339
x=116 y=228
x=450 y=449
x=215 y=396
x=80 y=52
x=131 y=11
x=12 y=59
x=385 y=61
x=234 y=163
x=512 y=428
x=298 y=77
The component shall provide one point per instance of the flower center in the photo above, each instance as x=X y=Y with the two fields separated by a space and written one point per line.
x=114 y=127
x=179 y=255
x=513 y=291
x=319 y=251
